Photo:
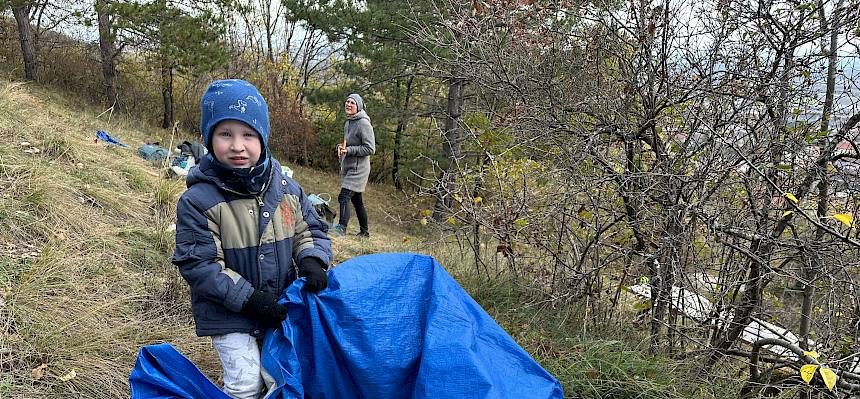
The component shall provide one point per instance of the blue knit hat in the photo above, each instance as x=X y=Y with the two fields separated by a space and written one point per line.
x=359 y=102
x=233 y=99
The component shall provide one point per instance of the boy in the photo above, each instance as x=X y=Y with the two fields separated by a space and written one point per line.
x=240 y=226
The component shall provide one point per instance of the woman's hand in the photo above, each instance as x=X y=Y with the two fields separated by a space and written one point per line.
x=341 y=151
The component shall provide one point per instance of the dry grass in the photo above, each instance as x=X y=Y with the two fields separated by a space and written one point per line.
x=85 y=278
x=390 y=230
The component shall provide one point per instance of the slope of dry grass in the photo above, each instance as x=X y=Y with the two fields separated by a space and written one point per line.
x=85 y=277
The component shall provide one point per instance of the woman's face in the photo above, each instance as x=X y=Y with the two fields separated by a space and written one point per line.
x=351 y=107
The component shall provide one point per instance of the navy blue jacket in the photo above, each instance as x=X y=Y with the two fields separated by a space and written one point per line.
x=227 y=244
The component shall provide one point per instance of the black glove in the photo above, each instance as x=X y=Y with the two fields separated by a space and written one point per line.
x=264 y=307
x=312 y=268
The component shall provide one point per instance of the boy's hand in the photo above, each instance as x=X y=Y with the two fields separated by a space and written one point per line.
x=264 y=307
x=312 y=269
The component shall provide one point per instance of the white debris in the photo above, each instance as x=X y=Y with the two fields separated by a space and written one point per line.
x=700 y=309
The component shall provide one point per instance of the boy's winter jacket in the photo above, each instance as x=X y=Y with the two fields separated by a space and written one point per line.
x=227 y=244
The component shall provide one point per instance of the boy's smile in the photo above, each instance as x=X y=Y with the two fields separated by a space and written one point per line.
x=236 y=144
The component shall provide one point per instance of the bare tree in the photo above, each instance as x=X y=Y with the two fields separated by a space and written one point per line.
x=107 y=50
x=692 y=144
x=21 y=10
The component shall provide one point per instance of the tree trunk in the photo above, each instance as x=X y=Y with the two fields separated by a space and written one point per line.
x=762 y=249
x=167 y=91
x=398 y=134
x=450 y=148
x=270 y=29
x=810 y=269
x=107 y=47
x=28 y=40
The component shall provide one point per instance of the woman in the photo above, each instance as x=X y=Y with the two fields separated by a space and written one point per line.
x=354 y=153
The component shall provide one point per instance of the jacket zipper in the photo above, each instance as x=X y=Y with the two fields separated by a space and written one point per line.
x=259 y=242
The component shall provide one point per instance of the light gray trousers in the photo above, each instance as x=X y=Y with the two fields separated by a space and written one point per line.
x=244 y=377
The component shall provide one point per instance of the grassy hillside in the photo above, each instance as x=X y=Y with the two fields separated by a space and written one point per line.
x=85 y=277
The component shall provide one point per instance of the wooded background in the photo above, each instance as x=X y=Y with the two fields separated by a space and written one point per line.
x=580 y=148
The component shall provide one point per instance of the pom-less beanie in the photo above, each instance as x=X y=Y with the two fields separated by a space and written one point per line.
x=233 y=99
x=359 y=102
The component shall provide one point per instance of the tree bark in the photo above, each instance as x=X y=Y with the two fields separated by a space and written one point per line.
x=28 y=40
x=167 y=91
x=450 y=148
x=107 y=47
x=398 y=134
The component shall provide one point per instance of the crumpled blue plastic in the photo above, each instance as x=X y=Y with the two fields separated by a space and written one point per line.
x=388 y=326
x=106 y=137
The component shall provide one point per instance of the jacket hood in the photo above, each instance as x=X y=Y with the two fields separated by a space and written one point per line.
x=205 y=172
x=359 y=115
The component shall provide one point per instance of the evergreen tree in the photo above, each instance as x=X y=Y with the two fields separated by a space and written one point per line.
x=379 y=60
x=178 y=37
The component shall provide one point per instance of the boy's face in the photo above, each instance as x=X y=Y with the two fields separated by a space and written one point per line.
x=351 y=107
x=236 y=144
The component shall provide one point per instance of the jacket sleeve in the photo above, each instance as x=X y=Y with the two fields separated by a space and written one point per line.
x=311 y=238
x=368 y=141
x=200 y=259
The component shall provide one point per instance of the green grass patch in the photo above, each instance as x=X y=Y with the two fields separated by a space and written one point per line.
x=136 y=180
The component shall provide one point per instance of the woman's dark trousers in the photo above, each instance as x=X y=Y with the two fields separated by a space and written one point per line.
x=360 y=213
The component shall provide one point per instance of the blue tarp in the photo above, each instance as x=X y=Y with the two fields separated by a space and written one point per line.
x=388 y=326
x=104 y=136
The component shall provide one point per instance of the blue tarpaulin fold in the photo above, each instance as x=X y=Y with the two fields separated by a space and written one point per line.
x=106 y=137
x=388 y=326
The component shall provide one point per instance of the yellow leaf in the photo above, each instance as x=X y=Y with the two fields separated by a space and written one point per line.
x=786 y=213
x=451 y=220
x=807 y=372
x=828 y=376
x=423 y=221
x=72 y=374
x=478 y=200
x=846 y=218
x=812 y=354
x=427 y=213
x=791 y=197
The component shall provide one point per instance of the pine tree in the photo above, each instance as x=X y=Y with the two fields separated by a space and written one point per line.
x=177 y=37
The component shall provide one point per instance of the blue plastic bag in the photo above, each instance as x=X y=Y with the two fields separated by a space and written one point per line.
x=152 y=152
x=104 y=136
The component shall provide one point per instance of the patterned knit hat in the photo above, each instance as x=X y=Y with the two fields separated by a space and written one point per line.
x=233 y=99
x=359 y=102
